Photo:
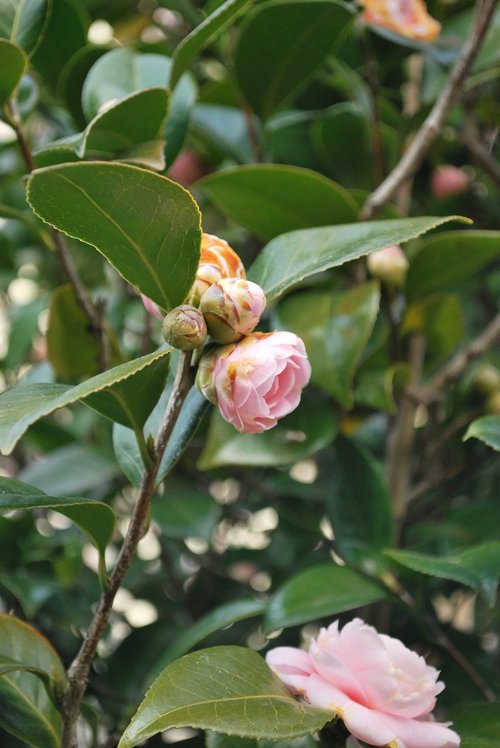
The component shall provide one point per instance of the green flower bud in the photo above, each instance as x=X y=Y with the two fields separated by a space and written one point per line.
x=389 y=265
x=184 y=328
x=486 y=379
x=232 y=307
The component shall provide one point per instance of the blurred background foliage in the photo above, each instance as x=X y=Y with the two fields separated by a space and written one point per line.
x=265 y=150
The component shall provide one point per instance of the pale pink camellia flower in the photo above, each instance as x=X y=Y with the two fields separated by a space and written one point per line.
x=448 y=180
x=382 y=691
x=256 y=381
x=409 y=18
x=390 y=265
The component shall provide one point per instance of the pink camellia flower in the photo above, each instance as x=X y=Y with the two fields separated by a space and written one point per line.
x=256 y=381
x=448 y=180
x=408 y=18
x=383 y=691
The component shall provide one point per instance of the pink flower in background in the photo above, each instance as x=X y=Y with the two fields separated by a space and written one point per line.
x=383 y=691
x=449 y=180
x=256 y=381
x=152 y=307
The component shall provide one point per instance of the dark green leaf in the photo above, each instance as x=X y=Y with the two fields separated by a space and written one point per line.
x=26 y=710
x=225 y=128
x=487 y=429
x=71 y=347
x=271 y=66
x=226 y=689
x=441 y=319
x=335 y=328
x=359 y=507
x=71 y=470
x=317 y=592
x=375 y=387
x=225 y=615
x=13 y=63
x=201 y=36
x=450 y=258
x=270 y=199
x=305 y=431
x=477 y=724
x=95 y=519
x=290 y=258
x=22 y=406
x=216 y=740
x=125 y=444
x=477 y=567
x=131 y=122
x=65 y=34
x=145 y=225
x=185 y=511
x=24 y=21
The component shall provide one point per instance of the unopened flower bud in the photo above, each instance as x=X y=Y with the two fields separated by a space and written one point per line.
x=184 y=328
x=151 y=307
x=232 y=307
x=218 y=260
x=389 y=265
x=486 y=379
x=493 y=404
x=205 y=375
x=448 y=180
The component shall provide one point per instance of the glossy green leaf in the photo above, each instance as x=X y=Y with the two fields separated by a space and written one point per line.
x=225 y=128
x=71 y=470
x=270 y=66
x=487 y=429
x=375 y=387
x=94 y=518
x=302 y=433
x=343 y=141
x=64 y=35
x=225 y=689
x=25 y=404
x=125 y=444
x=13 y=63
x=359 y=507
x=335 y=327
x=132 y=121
x=317 y=592
x=122 y=72
x=450 y=258
x=202 y=36
x=23 y=22
x=145 y=225
x=216 y=740
x=477 y=567
x=26 y=710
x=71 y=347
x=290 y=258
x=225 y=615
x=186 y=511
x=478 y=724
x=270 y=199
x=441 y=319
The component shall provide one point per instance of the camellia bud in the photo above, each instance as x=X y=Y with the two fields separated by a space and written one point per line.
x=184 y=328
x=389 y=265
x=218 y=260
x=486 y=379
x=447 y=181
x=205 y=375
x=232 y=307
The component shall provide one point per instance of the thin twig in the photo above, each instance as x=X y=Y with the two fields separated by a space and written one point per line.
x=478 y=151
x=435 y=121
x=371 y=77
x=403 y=434
x=78 y=672
x=253 y=135
x=91 y=310
x=456 y=365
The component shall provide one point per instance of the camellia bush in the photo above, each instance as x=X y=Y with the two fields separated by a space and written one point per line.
x=250 y=415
